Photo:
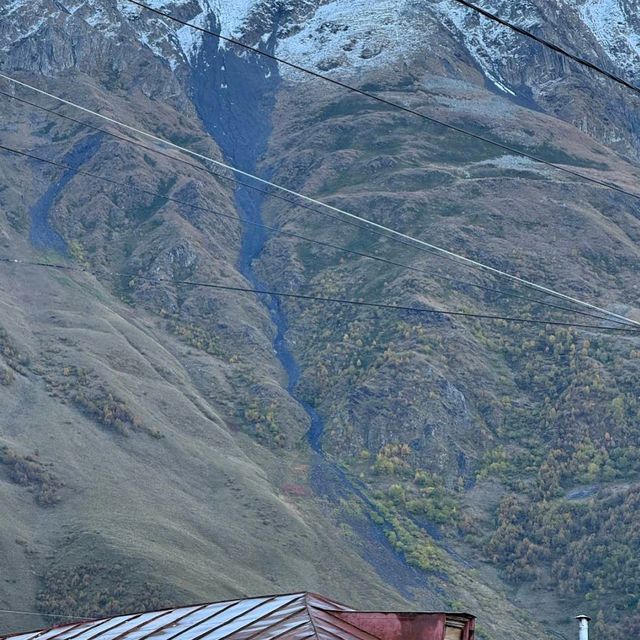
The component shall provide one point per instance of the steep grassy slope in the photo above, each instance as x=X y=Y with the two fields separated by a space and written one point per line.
x=189 y=508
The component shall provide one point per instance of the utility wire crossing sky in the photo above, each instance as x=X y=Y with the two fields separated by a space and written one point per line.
x=343 y=212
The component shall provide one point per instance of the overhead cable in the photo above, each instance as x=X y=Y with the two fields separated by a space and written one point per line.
x=343 y=212
x=301 y=205
x=391 y=103
x=322 y=243
x=550 y=45
x=44 y=615
x=267 y=192
x=322 y=299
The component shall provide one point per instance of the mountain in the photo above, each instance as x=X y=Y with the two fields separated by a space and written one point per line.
x=166 y=443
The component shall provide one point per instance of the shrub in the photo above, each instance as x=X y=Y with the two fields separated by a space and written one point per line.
x=29 y=471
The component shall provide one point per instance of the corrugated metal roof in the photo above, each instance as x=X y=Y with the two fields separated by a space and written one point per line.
x=297 y=616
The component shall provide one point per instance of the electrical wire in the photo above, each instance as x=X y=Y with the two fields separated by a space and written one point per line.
x=391 y=103
x=45 y=615
x=204 y=169
x=550 y=45
x=304 y=238
x=266 y=192
x=298 y=204
x=333 y=208
x=307 y=207
x=321 y=299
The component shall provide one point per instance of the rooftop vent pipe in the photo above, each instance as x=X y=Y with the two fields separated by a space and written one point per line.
x=583 y=621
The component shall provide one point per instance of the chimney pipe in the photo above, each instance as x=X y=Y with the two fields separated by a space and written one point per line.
x=583 y=621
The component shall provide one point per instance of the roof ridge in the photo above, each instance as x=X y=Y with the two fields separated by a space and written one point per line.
x=309 y=614
x=327 y=600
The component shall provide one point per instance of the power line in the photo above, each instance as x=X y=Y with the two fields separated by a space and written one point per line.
x=204 y=169
x=343 y=212
x=369 y=229
x=271 y=194
x=391 y=103
x=547 y=43
x=266 y=192
x=45 y=615
x=301 y=237
x=322 y=299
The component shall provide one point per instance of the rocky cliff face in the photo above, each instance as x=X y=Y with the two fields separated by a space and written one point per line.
x=166 y=442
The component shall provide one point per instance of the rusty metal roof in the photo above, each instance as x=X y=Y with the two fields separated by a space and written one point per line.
x=298 y=616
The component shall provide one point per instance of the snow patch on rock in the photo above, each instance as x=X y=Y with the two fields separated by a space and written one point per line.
x=168 y=40
x=349 y=35
x=224 y=16
x=610 y=22
x=490 y=44
x=14 y=5
x=232 y=15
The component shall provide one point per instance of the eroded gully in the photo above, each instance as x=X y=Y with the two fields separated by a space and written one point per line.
x=235 y=97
